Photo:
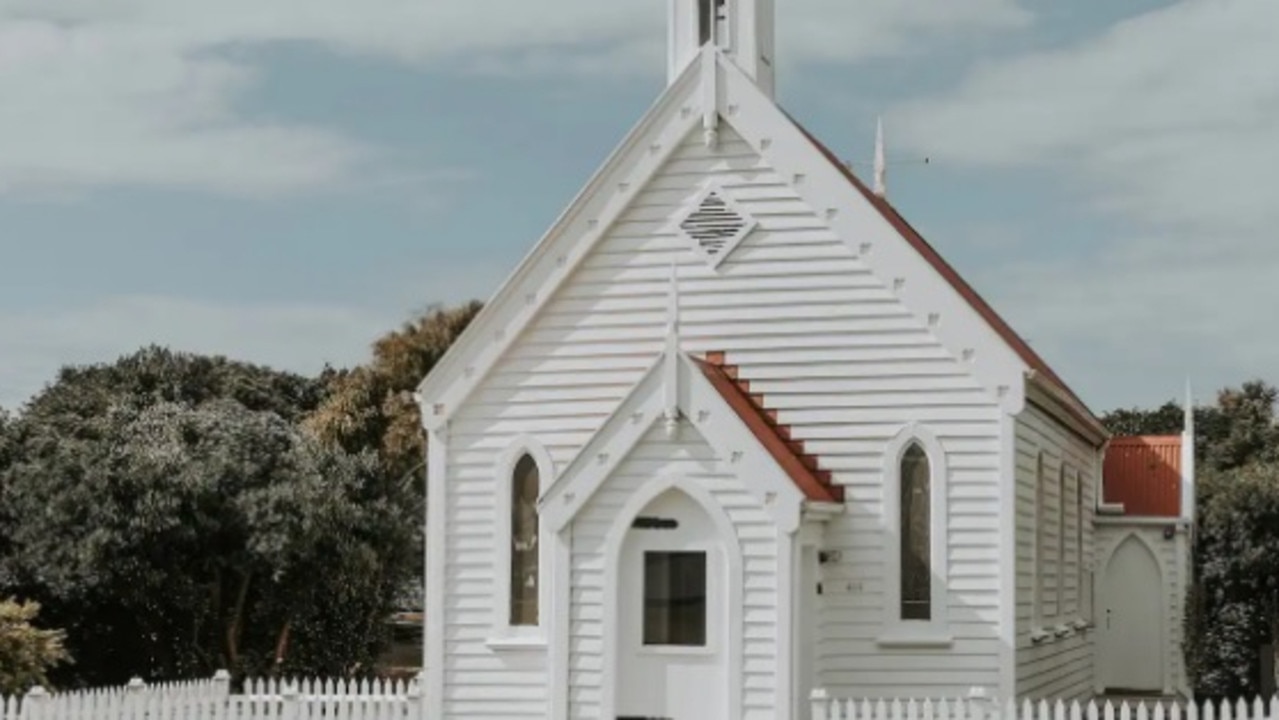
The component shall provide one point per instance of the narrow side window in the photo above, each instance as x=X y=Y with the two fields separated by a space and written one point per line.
x=524 y=551
x=1041 y=522
x=916 y=535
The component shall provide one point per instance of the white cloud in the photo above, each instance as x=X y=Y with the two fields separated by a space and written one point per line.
x=141 y=92
x=1166 y=124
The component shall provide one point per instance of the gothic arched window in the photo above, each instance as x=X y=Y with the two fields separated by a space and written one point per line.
x=916 y=535
x=525 y=485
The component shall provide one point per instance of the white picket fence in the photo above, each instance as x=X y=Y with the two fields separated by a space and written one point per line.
x=825 y=707
x=212 y=699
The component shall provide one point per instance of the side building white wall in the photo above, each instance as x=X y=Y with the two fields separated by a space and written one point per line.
x=1172 y=556
x=1054 y=658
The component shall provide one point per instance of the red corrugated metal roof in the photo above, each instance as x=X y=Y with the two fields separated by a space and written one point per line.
x=802 y=468
x=1143 y=473
x=1020 y=346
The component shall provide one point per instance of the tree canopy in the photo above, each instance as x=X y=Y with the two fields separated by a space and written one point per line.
x=372 y=406
x=168 y=509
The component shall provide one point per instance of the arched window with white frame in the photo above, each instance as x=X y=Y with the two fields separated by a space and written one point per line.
x=520 y=550
x=525 y=569
x=1059 y=577
x=915 y=551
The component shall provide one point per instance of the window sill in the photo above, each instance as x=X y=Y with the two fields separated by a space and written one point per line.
x=524 y=643
x=916 y=640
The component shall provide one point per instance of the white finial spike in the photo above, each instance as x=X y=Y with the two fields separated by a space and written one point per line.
x=1190 y=408
x=881 y=160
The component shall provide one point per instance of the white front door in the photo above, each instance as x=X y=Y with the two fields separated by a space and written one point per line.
x=672 y=616
x=1132 y=620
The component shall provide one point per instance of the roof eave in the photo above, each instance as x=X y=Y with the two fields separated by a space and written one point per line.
x=1049 y=395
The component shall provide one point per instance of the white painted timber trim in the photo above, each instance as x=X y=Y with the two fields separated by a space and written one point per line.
x=787 y=620
x=561 y=624
x=733 y=557
x=436 y=561
x=700 y=405
x=504 y=635
x=917 y=285
x=1076 y=418
x=896 y=630
x=1008 y=556
x=588 y=218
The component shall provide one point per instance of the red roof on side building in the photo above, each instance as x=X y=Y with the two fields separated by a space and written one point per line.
x=1144 y=474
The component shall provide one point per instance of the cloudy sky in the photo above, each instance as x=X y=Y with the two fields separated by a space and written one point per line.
x=282 y=181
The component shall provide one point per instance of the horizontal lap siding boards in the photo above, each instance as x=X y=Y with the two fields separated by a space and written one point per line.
x=1057 y=667
x=803 y=317
x=689 y=457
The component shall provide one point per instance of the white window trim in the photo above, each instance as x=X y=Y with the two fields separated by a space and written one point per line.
x=504 y=635
x=1037 y=557
x=1084 y=602
x=1061 y=541
x=935 y=632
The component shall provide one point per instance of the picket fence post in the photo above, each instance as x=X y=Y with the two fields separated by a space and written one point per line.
x=821 y=704
x=33 y=705
x=416 y=692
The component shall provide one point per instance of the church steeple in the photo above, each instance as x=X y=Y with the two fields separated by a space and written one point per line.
x=742 y=29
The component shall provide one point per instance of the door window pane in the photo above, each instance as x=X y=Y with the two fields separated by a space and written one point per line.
x=675 y=598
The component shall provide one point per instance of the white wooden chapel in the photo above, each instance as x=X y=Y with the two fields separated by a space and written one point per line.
x=734 y=431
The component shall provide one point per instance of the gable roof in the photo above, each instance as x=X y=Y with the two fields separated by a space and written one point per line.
x=1007 y=366
x=948 y=272
x=705 y=397
x=775 y=438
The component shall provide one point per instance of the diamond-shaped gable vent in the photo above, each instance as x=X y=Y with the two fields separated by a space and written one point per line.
x=716 y=226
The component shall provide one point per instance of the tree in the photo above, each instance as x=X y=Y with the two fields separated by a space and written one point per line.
x=1234 y=608
x=1238 y=430
x=27 y=653
x=372 y=406
x=169 y=511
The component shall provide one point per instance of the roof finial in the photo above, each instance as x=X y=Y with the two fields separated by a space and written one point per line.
x=1189 y=410
x=881 y=161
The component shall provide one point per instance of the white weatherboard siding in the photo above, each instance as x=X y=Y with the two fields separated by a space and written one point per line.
x=1171 y=556
x=689 y=457
x=831 y=347
x=1057 y=667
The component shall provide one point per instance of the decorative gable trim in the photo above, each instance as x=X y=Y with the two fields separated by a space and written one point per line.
x=557 y=255
x=899 y=266
x=714 y=224
x=703 y=408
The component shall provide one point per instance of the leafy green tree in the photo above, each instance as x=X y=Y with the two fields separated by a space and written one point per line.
x=371 y=407
x=1239 y=429
x=26 y=652
x=1234 y=609
x=171 y=515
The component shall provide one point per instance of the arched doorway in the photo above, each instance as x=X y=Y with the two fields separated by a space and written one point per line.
x=672 y=608
x=1132 y=620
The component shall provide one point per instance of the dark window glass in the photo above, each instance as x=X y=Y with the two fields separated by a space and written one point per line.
x=524 y=569
x=916 y=535
x=675 y=599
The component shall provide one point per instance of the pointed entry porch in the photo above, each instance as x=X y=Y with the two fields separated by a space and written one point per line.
x=674 y=519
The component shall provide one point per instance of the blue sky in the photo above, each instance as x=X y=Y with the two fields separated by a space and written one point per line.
x=283 y=182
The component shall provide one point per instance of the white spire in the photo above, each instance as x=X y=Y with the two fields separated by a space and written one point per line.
x=881 y=160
